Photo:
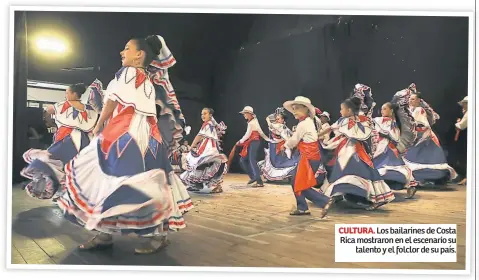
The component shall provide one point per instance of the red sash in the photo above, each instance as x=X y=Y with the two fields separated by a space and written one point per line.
x=254 y=136
x=279 y=145
x=305 y=176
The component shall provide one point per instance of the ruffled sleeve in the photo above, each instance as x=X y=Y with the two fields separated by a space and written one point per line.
x=131 y=87
x=208 y=130
x=68 y=116
x=171 y=121
x=387 y=127
x=360 y=130
x=420 y=116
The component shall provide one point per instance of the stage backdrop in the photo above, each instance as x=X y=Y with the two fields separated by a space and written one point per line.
x=324 y=57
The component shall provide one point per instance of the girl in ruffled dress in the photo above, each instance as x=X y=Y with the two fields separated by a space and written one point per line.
x=123 y=183
x=277 y=166
x=205 y=164
x=426 y=158
x=75 y=121
x=354 y=177
x=387 y=158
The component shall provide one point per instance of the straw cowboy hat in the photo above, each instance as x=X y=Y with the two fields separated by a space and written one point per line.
x=300 y=100
x=465 y=100
x=325 y=114
x=247 y=109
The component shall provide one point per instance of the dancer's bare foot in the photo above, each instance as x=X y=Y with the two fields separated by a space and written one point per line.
x=463 y=182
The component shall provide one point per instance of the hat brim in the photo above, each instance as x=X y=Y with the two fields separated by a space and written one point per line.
x=288 y=105
x=322 y=115
x=243 y=112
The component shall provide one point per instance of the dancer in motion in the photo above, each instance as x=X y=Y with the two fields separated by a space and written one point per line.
x=387 y=159
x=205 y=164
x=461 y=125
x=277 y=166
x=75 y=121
x=426 y=158
x=123 y=183
x=354 y=177
x=250 y=143
x=325 y=118
x=310 y=171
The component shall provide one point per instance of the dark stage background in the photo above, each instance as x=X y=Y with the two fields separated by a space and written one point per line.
x=229 y=61
x=324 y=57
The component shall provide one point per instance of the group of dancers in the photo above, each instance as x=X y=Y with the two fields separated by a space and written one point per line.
x=110 y=166
x=362 y=164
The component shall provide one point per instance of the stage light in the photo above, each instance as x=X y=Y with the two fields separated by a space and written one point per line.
x=51 y=45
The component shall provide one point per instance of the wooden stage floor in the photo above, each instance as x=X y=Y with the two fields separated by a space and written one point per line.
x=242 y=227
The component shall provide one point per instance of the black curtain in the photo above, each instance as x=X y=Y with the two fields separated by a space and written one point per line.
x=323 y=57
x=20 y=143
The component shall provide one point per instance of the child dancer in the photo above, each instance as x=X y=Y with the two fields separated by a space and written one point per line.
x=310 y=171
x=250 y=143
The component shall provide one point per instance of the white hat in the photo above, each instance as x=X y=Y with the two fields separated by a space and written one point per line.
x=300 y=100
x=325 y=114
x=463 y=101
x=247 y=109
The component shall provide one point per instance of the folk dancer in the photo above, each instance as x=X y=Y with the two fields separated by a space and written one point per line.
x=387 y=159
x=205 y=164
x=310 y=171
x=426 y=158
x=354 y=177
x=122 y=183
x=277 y=166
x=461 y=125
x=250 y=143
x=74 y=121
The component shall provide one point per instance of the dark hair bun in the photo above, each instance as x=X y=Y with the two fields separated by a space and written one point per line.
x=210 y=110
x=356 y=101
x=418 y=94
x=79 y=89
x=154 y=43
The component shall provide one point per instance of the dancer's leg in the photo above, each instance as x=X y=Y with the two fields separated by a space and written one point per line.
x=253 y=161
